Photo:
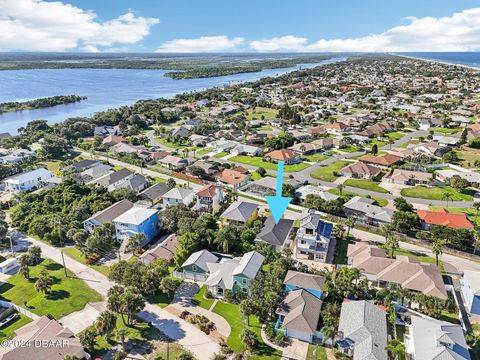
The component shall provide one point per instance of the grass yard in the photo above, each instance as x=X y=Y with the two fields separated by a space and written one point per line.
x=397 y=135
x=379 y=143
x=326 y=173
x=366 y=185
x=53 y=166
x=341 y=250
x=435 y=193
x=447 y=131
x=66 y=295
x=350 y=148
x=75 y=254
x=321 y=353
x=173 y=145
x=471 y=213
x=316 y=157
x=257 y=113
x=8 y=331
x=259 y=162
x=231 y=313
x=221 y=154
x=264 y=128
x=199 y=300
x=468 y=156
x=380 y=201
x=420 y=257
x=204 y=151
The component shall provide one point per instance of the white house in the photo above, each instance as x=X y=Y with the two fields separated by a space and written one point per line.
x=27 y=181
x=177 y=196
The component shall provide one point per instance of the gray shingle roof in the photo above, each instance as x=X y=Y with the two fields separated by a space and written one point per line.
x=201 y=258
x=275 y=234
x=113 y=211
x=239 y=211
x=304 y=281
x=364 y=326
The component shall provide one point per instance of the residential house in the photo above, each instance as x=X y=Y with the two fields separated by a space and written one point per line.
x=165 y=249
x=209 y=198
x=16 y=156
x=403 y=271
x=362 y=331
x=95 y=172
x=303 y=191
x=408 y=177
x=267 y=185
x=234 y=275
x=153 y=196
x=81 y=165
x=278 y=235
x=382 y=161
x=311 y=283
x=431 y=339
x=446 y=140
x=233 y=179
x=240 y=212
x=179 y=132
x=299 y=316
x=123 y=148
x=137 y=221
x=198 y=140
x=246 y=150
x=430 y=149
x=471 y=291
x=289 y=157
x=258 y=138
x=210 y=169
x=223 y=145
x=151 y=157
x=106 y=130
x=444 y=218
x=196 y=266
x=177 y=196
x=336 y=128
x=305 y=148
x=360 y=170
x=445 y=175
x=136 y=183
x=173 y=162
x=365 y=210
x=328 y=143
x=313 y=236
x=113 y=180
x=27 y=181
x=43 y=339
x=112 y=140
x=107 y=215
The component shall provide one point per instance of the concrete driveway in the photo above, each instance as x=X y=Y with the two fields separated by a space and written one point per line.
x=297 y=350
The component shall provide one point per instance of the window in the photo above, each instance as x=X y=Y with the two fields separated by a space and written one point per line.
x=194 y=267
x=244 y=281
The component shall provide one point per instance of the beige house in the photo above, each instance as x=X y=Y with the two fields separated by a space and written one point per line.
x=407 y=177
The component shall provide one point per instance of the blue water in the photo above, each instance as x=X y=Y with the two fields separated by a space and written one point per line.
x=105 y=89
x=459 y=58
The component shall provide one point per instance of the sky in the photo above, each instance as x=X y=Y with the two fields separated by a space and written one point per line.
x=239 y=26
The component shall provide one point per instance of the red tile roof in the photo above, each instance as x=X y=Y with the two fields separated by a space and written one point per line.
x=207 y=191
x=232 y=176
x=282 y=155
x=445 y=218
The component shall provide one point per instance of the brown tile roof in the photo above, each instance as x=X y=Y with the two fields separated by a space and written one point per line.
x=361 y=168
x=231 y=177
x=281 y=155
x=405 y=271
x=385 y=160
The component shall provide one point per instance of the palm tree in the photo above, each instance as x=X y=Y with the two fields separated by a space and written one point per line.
x=476 y=238
x=447 y=197
x=339 y=231
x=24 y=263
x=396 y=349
x=43 y=283
x=340 y=188
x=121 y=334
x=391 y=142
x=106 y=323
x=437 y=248
x=349 y=223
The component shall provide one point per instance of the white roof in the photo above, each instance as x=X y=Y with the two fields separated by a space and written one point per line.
x=135 y=216
x=29 y=175
x=473 y=279
x=249 y=265
x=201 y=258
x=177 y=193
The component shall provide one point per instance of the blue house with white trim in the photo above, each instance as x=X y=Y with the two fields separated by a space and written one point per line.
x=471 y=291
x=135 y=221
x=312 y=284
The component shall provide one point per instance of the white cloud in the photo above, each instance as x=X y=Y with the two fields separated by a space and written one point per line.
x=458 y=32
x=201 y=44
x=36 y=25
x=288 y=42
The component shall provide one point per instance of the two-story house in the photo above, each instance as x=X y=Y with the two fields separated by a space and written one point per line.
x=177 y=196
x=209 y=199
x=137 y=221
x=107 y=215
x=27 y=181
x=471 y=291
x=313 y=236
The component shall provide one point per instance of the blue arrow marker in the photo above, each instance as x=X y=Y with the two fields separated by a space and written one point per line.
x=278 y=203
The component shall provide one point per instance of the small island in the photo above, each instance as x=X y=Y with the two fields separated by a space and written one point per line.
x=39 y=103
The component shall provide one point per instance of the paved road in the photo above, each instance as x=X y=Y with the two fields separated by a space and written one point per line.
x=187 y=335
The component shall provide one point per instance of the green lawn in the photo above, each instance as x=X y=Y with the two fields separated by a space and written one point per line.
x=366 y=185
x=471 y=213
x=199 y=300
x=53 y=166
x=264 y=128
x=435 y=193
x=380 y=201
x=231 y=313
x=326 y=173
x=316 y=157
x=259 y=162
x=468 y=156
x=320 y=355
x=75 y=254
x=8 y=331
x=341 y=251
x=66 y=295
x=350 y=148
x=259 y=111
x=447 y=131
x=204 y=151
x=174 y=145
x=221 y=154
x=395 y=135
x=379 y=143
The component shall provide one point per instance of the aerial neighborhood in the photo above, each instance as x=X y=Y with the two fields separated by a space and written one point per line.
x=144 y=231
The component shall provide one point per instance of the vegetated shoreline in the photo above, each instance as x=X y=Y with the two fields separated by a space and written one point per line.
x=39 y=103
x=175 y=68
